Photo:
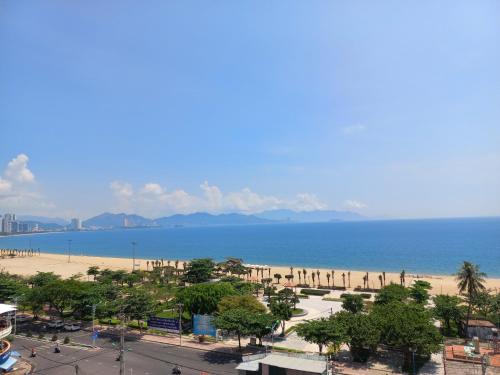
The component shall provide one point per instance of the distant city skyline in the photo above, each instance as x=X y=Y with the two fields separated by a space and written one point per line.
x=386 y=109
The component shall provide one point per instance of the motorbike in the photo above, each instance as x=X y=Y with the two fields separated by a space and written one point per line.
x=176 y=370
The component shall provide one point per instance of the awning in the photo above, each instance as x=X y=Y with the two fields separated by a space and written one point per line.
x=6 y=308
x=8 y=364
x=248 y=366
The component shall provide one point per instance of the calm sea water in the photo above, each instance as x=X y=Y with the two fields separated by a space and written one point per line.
x=423 y=246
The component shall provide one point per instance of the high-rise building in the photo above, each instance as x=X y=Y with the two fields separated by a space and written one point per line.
x=76 y=224
x=7 y=221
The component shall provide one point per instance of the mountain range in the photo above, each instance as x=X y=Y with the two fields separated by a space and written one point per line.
x=110 y=220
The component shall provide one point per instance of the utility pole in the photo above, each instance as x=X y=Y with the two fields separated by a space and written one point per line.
x=133 y=255
x=93 y=321
x=69 y=251
x=122 y=346
x=180 y=306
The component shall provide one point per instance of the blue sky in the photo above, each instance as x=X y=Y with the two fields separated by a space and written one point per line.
x=387 y=108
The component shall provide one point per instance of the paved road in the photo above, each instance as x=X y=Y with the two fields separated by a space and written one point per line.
x=140 y=358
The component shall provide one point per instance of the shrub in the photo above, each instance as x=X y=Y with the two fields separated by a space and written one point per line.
x=29 y=334
x=365 y=295
x=54 y=338
x=10 y=338
x=344 y=295
x=314 y=292
x=41 y=335
x=302 y=296
x=66 y=340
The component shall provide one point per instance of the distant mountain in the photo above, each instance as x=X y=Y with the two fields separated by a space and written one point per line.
x=202 y=218
x=43 y=219
x=109 y=220
x=309 y=216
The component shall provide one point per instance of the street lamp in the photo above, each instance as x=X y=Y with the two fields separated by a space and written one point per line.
x=69 y=251
x=133 y=255
x=180 y=306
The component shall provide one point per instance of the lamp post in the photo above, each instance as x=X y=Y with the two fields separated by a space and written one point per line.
x=69 y=251
x=133 y=255
x=180 y=306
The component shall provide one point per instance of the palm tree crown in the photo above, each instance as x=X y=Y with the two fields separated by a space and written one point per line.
x=470 y=279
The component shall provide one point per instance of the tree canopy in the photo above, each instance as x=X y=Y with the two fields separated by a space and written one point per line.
x=199 y=271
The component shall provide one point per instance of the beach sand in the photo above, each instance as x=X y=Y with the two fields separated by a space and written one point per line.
x=58 y=263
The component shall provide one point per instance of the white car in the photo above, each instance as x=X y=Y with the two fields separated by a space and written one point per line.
x=56 y=324
x=71 y=327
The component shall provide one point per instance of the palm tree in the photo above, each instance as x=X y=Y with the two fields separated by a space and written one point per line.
x=333 y=278
x=367 y=283
x=364 y=281
x=313 y=277
x=269 y=272
x=470 y=281
x=343 y=279
x=319 y=279
x=328 y=279
x=147 y=265
x=349 y=279
x=300 y=273
x=291 y=270
x=383 y=275
x=402 y=277
x=304 y=272
x=381 y=279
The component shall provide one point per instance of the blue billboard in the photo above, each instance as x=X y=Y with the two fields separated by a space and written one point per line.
x=164 y=324
x=203 y=325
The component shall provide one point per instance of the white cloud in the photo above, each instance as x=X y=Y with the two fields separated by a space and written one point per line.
x=18 y=190
x=354 y=204
x=213 y=196
x=353 y=129
x=17 y=170
x=308 y=202
x=5 y=186
x=121 y=189
x=152 y=199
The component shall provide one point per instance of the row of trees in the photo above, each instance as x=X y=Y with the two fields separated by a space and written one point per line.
x=398 y=319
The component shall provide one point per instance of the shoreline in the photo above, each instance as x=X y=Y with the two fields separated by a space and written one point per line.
x=58 y=263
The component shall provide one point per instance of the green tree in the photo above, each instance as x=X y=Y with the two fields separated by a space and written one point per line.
x=246 y=302
x=353 y=303
x=278 y=277
x=93 y=271
x=199 y=271
x=470 y=282
x=235 y=321
x=419 y=291
x=260 y=325
x=447 y=309
x=281 y=310
x=322 y=332
x=138 y=304
x=204 y=298
x=10 y=287
x=407 y=327
x=43 y=278
x=391 y=293
x=362 y=332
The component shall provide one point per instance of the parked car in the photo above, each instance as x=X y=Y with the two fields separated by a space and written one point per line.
x=56 y=324
x=72 y=327
x=22 y=318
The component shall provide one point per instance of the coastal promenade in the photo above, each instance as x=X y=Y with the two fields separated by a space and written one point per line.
x=64 y=266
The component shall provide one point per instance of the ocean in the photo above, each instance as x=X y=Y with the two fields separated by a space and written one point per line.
x=436 y=246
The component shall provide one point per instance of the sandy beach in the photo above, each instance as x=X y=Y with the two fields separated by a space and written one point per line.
x=58 y=263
